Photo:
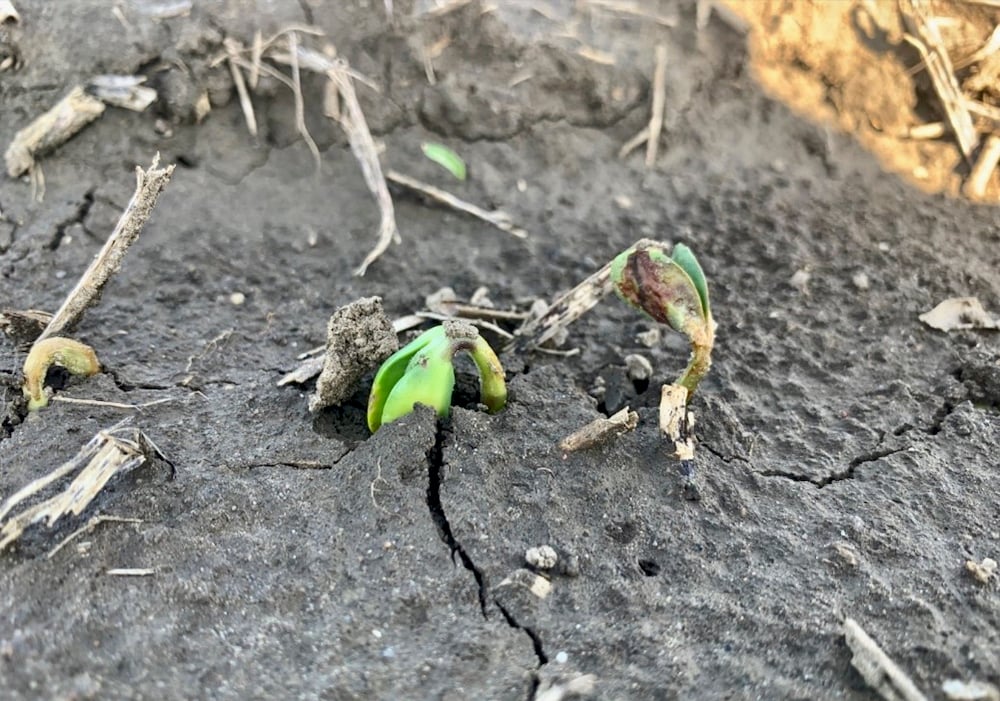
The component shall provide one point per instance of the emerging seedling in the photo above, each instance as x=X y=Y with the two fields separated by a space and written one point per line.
x=672 y=290
x=76 y=357
x=422 y=372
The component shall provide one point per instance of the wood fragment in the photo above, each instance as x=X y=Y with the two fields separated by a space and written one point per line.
x=497 y=217
x=659 y=100
x=110 y=452
x=149 y=185
x=51 y=129
x=600 y=430
x=87 y=528
x=926 y=38
x=565 y=310
x=982 y=171
x=878 y=670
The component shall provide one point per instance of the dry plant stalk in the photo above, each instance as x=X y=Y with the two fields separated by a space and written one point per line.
x=51 y=129
x=233 y=49
x=149 y=185
x=352 y=119
x=107 y=454
x=659 y=100
x=93 y=523
x=565 y=310
x=982 y=171
x=497 y=218
x=600 y=430
x=881 y=673
x=125 y=91
x=676 y=423
x=925 y=37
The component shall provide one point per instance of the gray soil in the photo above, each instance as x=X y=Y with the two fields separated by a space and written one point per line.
x=847 y=456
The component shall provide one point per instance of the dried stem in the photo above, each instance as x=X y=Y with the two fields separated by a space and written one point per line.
x=149 y=185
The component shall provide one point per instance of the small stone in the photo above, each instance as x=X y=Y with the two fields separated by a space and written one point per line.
x=649 y=338
x=639 y=369
x=544 y=557
x=237 y=298
x=800 y=280
x=623 y=201
x=884 y=247
x=861 y=281
x=983 y=571
x=521 y=185
x=562 y=657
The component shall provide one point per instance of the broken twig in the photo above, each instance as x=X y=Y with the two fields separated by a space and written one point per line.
x=600 y=430
x=926 y=38
x=107 y=454
x=659 y=100
x=51 y=129
x=881 y=673
x=93 y=523
x=566 y=309
x=982 y=171
x=149 y=185
x=497 y=217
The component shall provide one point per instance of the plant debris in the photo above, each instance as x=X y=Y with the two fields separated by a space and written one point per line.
x=959 y=313
x=110 y=452
x=881 y=673
x=983 y=572
x=51 y=129
x=600 y=430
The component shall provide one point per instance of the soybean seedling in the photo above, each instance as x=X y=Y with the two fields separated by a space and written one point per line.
x=669 y=288
x=78 y=358
x=423 y=372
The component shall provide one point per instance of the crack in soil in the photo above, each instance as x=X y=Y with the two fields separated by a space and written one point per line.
x=435 y=467
x=846 y=474
x=78 y=217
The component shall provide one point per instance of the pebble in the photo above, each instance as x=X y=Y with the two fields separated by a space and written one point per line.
x=639 y=369
x=544 y=557
x=562 y=657
x=649 y=338
x=237 y=298
x=861 y=281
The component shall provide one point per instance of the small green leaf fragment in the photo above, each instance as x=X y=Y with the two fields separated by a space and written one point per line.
x=445 y=157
